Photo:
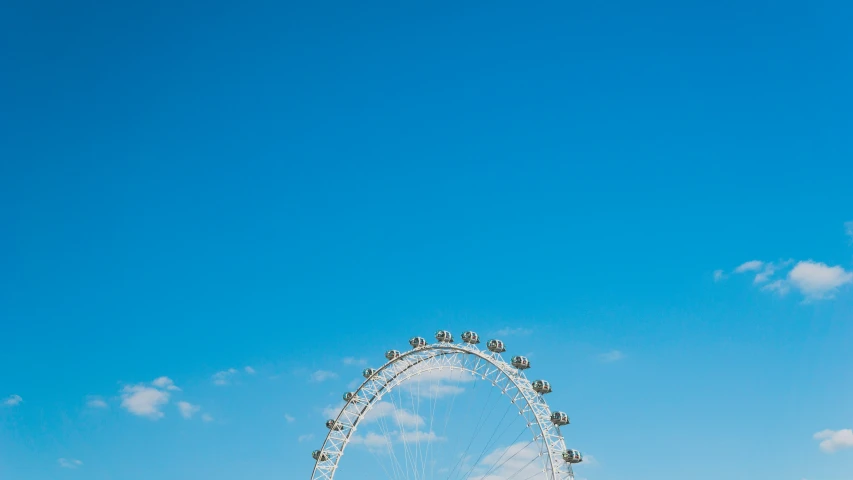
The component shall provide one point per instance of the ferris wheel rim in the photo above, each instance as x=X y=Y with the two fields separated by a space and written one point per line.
x=552 y=443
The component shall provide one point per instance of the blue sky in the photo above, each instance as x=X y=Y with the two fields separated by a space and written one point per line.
x=191 y=188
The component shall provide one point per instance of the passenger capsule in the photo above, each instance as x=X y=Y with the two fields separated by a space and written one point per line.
x=520 y=362
x=471 y=337
x=319 y=456
x=559 y=419
x=392 y=354
x=572 y=456
x=334 y=425
x=368 y=372
x=351 y=397
x=417 y=342
x=444 y=336
x=496 y=346
x=541 y=387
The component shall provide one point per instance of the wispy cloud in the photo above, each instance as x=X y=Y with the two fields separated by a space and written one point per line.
x=719 y=275
x=305 y=438
x=13 y=400
x=323 y=375
x=290 y=418
x=781 y=287
x=69 y=463
x=814 y=280
x=833 y=440
x=94 y=401
x=187 y=409
x=750 y=266
x=361 y=362
x=249 y=370
x=206 y=417
x=611 y=356
x=513 y=332
x=224 y=377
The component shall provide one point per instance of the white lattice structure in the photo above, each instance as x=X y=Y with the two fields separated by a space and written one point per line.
x=459 y=357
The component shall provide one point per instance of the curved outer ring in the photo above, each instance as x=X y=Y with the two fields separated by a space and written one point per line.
x=397 y=371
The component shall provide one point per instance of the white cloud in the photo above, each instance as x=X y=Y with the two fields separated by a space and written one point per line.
x=512 y=332
x=436 y=383
x=814 y=280
x=750 y=266
x=144 y=401
x=331 y=412
x=817 y=280
x=769 y=269
x=69 y=463
x=373 y=441
x=719 y=275
x=188 y=409
x=779 y=286
x=305 y=438
x=94 y=401
x=323 y=375
x=402 y=417
x=164 y=382
x=379 y=443
x=832 y=440
x=417 y=436
x=206 y=417
x=224 y=377
x=383 y=409
x=521 y=460
x=355 y=383
x=765 y=274
x=249 y=370
x=289 y=418
x=361 y=362
x=611 y=356
x=13 y=400
x=439 y=390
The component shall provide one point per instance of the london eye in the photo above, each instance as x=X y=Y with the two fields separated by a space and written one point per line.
x=399 y=422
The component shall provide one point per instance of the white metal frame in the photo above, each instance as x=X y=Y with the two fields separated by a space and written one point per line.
x=463 y=357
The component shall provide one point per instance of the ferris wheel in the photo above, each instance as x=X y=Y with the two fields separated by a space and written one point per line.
x=394 y=416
